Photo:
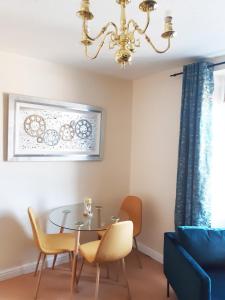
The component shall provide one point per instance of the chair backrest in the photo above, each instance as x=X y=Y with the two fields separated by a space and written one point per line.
x=132 y=205
x=38 y=234
x=116 y=243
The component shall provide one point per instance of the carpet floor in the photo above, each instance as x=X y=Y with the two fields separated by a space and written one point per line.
x=147 y=283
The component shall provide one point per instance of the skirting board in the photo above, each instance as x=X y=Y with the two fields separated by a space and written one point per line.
x=150 y=252
x=29 y=268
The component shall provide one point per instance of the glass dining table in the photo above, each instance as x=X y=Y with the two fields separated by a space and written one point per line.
x=73 y=217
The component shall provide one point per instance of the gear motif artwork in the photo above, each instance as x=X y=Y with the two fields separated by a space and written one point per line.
x=67 y=132
x=51 y=137
x=43 y=129
x=34 y=125
x=40 y=138
x=73 y=124
x=83 y=129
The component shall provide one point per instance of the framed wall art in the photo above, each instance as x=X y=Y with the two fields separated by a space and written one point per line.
x=44 y=130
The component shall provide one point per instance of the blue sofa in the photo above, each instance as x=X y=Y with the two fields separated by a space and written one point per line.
x=194 y=263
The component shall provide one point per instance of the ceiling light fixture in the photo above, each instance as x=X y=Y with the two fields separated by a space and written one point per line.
x=123 y=38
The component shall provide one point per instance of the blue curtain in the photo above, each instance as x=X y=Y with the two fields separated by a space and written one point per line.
x=193 y=176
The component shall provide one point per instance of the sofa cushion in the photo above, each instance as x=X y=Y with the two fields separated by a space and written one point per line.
x=206 y=246
x=217 y=276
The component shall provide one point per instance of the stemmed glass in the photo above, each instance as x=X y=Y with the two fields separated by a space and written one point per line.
x=88 y=207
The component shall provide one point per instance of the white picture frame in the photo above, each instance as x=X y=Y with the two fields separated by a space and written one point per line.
x=47 y=130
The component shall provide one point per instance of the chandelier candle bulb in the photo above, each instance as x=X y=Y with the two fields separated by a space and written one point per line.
x=123 y=37
x=84 y=12
x=169 y=32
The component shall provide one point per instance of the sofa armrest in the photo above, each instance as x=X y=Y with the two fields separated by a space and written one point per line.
x=184 y=274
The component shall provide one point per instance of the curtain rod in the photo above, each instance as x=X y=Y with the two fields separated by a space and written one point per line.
x=210 y=66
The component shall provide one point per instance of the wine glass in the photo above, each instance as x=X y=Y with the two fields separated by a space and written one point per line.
x=88 y=207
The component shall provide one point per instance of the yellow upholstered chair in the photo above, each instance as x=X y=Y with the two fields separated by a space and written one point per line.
x=132 y=206
x=49 y=244
x=114 y=246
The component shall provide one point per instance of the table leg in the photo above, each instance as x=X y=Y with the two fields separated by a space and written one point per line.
x=75 y=257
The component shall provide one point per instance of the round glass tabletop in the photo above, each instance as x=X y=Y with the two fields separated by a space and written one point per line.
x=72 y=217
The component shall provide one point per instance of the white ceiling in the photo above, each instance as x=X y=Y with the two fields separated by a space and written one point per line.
x=49 y=29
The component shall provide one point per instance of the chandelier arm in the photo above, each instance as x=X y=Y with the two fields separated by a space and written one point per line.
x=103 y=30
x=99 y=47
x=136 y=26
x=154 y=47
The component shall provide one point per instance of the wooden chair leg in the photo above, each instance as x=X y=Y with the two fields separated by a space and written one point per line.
x=107 y=271
x=37 y=265
x=70 y=260
x=125 y=277
x=118 y=271
x=75 y=257
x=39 y=277
x=74 y=271
x=55 y=256
x=97 y=282
x=168 y=289
x=137 y=253
x=81 y=268
x=54 y=261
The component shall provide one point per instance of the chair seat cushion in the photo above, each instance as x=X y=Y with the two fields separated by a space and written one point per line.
x=59 y=243
x=217 y=276
x=89 y=250
x=205 y=245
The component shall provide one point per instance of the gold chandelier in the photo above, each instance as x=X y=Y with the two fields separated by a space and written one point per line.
x=123 y=38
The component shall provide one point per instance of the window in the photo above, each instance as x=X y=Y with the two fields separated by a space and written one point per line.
x=218 y=153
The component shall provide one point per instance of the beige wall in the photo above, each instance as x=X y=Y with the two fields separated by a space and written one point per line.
x=155 y=131
x=141 y=161
x=45 y=185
